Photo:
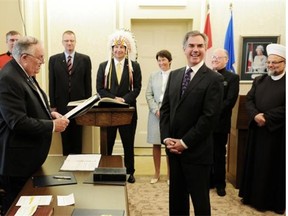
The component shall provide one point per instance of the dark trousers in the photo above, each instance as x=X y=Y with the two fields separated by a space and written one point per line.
x=188 y=180
x=72 y=139
x=127 y=134
x=12 y=186
x=219 y=166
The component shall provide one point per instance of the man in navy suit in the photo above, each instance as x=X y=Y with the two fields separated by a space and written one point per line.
x=220 y=135
x=123 y=85
x=187 y=119
x=26 y=123
x=69 y=84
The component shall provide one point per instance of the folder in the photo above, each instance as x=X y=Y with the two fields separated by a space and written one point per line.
x=97 y=212
x=83 y=107
x=54 y=180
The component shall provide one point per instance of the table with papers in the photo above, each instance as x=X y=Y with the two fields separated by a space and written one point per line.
x=87 y=196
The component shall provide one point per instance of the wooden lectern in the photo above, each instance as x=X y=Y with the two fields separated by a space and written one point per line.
x=103 y=118
x=237 y=142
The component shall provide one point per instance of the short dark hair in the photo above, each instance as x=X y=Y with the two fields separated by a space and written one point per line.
x=11 y=33
x=193 y=34
x=165 y=54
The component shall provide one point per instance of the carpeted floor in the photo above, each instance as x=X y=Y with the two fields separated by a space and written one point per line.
x=147 y=199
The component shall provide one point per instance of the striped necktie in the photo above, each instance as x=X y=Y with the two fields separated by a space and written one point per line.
x=69 y=64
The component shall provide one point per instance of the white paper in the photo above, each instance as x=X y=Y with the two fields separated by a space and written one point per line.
x=65 y=200
x=34 y=200
x=26 y=211
x=81 y=162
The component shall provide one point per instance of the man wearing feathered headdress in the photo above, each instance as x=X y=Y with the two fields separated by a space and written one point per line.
x=120 y=78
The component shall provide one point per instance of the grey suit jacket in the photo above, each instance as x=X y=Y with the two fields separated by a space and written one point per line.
x=25 y=123
x=154 y=91
x=192 y=117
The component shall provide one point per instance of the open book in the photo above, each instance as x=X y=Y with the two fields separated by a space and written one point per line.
x=82 y=107
x=103 y=102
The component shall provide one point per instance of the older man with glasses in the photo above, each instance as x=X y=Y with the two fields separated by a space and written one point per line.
x=222 y=130
x=26 y=123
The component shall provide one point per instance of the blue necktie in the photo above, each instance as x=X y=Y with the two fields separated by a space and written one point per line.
x=186 y=80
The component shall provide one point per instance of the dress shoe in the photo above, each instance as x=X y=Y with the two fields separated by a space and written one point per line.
x=131 y=178
x=221 y=191
x=281 y=212
x=211 y=186
x=154 y=180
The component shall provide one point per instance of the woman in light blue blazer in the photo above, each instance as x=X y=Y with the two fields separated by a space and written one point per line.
x=154 y=95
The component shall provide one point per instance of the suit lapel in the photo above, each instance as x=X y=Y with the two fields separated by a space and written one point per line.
x=125 y=74
x=75 y=62
x=63 y=62
x=195 y=81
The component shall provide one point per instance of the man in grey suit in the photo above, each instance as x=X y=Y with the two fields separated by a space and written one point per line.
x=190 y=109
x=69 y=83
x=26 y=123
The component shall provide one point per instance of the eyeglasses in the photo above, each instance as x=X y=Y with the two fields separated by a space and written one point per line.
x=218 y=57
x=41 y=59
x=274 y=62
x=67 y=41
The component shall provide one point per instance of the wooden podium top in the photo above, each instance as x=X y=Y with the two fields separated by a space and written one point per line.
x=106 y=117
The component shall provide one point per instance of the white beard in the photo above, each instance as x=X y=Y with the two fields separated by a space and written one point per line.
x=271 y=72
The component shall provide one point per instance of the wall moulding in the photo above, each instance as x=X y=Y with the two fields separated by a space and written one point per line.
x=161 y=3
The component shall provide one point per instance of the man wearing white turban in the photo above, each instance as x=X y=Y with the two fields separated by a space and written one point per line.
x=263 y=181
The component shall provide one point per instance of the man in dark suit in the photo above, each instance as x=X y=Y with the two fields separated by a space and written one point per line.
x=123 y=85
x=26 y=123
x=190 y=109
x=69 y=83
x=220 y=135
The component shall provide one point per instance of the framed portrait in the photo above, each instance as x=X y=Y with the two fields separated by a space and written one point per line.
x=254 y=56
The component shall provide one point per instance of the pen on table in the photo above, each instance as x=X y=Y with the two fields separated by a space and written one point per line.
x=62 y=177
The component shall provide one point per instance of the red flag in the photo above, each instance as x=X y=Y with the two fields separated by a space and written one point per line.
x=208 y=31
x=250 y=58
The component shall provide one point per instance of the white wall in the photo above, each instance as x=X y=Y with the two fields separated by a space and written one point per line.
x=93 y=21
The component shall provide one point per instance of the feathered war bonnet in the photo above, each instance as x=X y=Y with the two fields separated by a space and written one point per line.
x=126 y=38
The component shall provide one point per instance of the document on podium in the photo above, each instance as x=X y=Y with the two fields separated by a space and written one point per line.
x=81 y=162
x=83 y=107
x=104 y=102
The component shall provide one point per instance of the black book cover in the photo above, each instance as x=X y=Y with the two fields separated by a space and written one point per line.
x=62 y=178
x=82 y=107
x=109 y=174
